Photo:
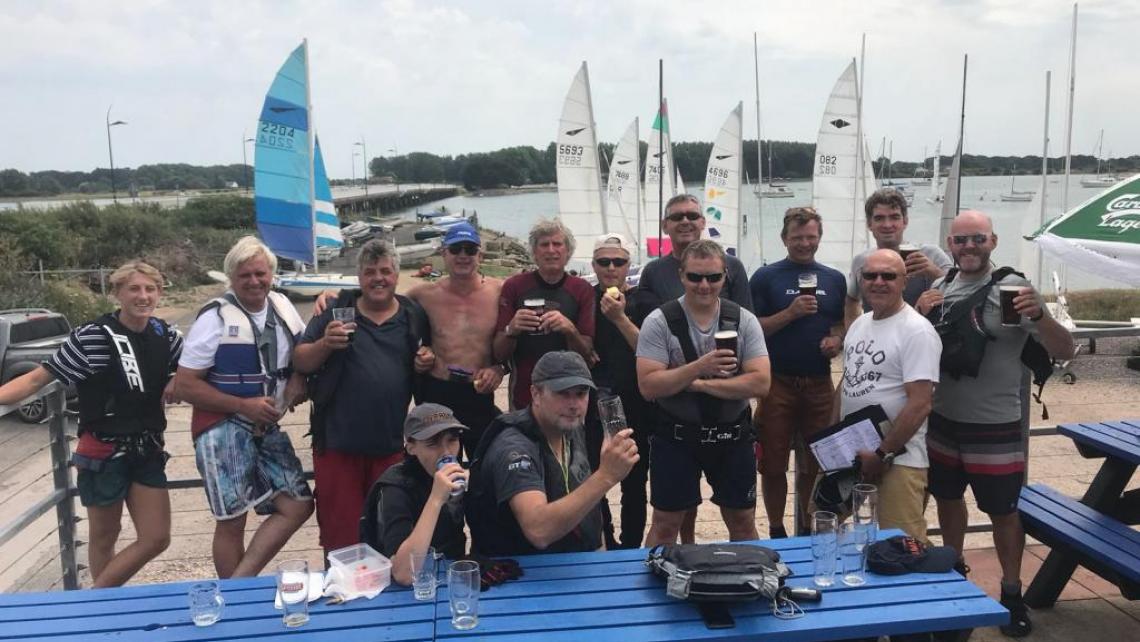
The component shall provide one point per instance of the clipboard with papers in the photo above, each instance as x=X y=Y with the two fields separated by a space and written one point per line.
x=837 y=446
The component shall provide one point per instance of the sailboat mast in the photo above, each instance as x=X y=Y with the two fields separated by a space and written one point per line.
x=1044 y=180
x=961 y=135
x=660 y=151
x=597 y=166
x=759 y=159
x=739 y=187
x=859 y=171
x=312 y=157
x=1069 y=121
x=637 y=184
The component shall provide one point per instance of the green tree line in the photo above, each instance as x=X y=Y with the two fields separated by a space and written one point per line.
x=523 y=165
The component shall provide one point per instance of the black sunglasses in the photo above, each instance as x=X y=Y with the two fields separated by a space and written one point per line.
x=886 y=276
x=696 y=277
x=470 y=249
x=606 y=262
x=978 y=239
x=677 y=216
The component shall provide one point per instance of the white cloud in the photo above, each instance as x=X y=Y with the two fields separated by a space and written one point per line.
x=454 y=77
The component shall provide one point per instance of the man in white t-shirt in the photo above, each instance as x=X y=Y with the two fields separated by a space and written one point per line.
x=236 y=370
x=890 y=358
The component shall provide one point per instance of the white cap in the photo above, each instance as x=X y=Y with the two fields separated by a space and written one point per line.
x=612 y=240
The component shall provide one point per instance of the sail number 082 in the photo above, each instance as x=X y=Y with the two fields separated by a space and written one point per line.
x=827 y=164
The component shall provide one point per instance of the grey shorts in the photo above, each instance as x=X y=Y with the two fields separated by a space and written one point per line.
x=241 y=470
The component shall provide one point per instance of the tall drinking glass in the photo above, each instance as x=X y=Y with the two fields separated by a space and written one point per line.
x=293 y=585
x=824 y=547
x=423 y=575
x=865 y=510
x=852 y=549
x=463 y=594
x=612 y=415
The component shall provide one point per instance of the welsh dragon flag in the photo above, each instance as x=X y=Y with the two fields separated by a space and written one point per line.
x=1100 y=236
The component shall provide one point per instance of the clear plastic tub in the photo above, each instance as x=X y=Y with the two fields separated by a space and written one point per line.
x=368 y=570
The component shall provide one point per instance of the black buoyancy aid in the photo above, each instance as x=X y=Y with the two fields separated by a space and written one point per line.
x=126 y=397
x=679 y=326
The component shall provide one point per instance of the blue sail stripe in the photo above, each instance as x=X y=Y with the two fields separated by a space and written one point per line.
x=327 y=224
x=286 y=242
x=327 y=219
x=286 y=188
x=289 y=83
x=285 y=113
x=284 y=214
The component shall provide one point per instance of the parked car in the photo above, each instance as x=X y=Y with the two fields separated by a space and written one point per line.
x=28 y=337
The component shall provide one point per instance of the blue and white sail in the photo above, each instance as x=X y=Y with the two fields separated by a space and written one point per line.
x=329 y=237
x=283 y=163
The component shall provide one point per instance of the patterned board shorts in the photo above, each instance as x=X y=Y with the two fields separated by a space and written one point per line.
x=241 y=470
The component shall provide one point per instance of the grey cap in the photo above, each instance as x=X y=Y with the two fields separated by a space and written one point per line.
x=428 y=420
x=558 y=371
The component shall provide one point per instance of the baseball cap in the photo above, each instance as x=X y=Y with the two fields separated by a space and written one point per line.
x=902 y=554
x=461 y=233
x=613 y=240
x=428 y=420
x=561 y=370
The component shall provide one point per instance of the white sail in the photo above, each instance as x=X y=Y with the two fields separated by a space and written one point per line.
x=577 y=169
x=654 y=161
x=623 y=187
x=950 y=200
x=936 y=179
x=722 y=184
x=839 y=185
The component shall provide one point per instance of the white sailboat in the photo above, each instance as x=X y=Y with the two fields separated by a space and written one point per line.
x=658 y=156
x=722 y=184
x=1100 y=180
x=1015 y=196
x=951 y=204
x=578 y=172
x=623 y=188
x=936 y=177
x=774 y=190
x=843 y=177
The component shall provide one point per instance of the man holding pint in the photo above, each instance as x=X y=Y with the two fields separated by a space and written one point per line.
x=702 y=358
x=800 y=306
x=887 y=219
x=976 y=428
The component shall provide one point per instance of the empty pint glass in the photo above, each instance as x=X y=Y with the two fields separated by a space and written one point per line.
x=463 y=594
x=852 y=548
x=347 y=316
x=293 y=585
x=612 y=415
x=809 y=281
x=1010 y=317
x=824 y=547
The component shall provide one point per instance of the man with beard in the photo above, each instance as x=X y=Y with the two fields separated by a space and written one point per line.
x=362 y=385
x=886 y=213
x=543 y=311
x=975 y=434
x=535 y=468
x=463 y=309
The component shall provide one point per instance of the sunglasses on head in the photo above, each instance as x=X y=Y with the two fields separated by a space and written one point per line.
x=978 y=239
x=886 y=276
x=677 y=216
x=696 y=277
x=470 y=249
x=606 y=262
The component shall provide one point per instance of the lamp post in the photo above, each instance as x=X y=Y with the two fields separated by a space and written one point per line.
x=364 y=148
x=395 y=152
x=111 y=153
x=244 y=162
x=354 y=155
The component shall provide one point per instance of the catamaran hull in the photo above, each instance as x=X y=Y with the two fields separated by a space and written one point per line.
x=302 y=284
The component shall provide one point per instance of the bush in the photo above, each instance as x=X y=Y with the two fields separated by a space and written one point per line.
x=220 y=212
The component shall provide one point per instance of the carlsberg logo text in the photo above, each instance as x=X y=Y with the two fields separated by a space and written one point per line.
x=1123 y=213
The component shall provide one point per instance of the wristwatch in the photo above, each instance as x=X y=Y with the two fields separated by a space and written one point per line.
x=885 y=457
x=507 y=331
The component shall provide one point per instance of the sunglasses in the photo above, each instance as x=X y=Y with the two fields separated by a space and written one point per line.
x=677 y=216
x=470 y=249
x=886 y=276
x=608 y=262
x=978 y=239
x=696 y=277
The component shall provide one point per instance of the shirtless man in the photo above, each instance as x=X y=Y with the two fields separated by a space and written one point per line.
x=462 y=308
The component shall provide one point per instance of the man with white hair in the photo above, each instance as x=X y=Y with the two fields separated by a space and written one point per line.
x=236 y=371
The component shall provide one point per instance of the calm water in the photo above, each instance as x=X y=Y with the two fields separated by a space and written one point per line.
x=515 y=213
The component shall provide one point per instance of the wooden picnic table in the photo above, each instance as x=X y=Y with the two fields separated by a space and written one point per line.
x=595 y=597
x=1094 y=532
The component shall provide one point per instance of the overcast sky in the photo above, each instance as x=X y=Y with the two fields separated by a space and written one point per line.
x=464 y=76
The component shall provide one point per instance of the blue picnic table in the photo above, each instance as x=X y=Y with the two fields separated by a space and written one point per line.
x=595 y=597
x=1093 y=532
x=577 y=596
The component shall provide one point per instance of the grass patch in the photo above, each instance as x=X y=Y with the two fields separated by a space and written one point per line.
x=1103 y=305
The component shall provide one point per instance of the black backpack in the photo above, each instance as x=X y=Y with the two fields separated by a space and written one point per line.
x=679 y=326
x=479 y=505
x=718 y=572
x=322 y=384
x=964 y=337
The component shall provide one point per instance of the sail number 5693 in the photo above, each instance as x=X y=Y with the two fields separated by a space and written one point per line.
x=570 y=154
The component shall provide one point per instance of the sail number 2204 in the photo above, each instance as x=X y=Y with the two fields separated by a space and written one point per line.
x=274 y=135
